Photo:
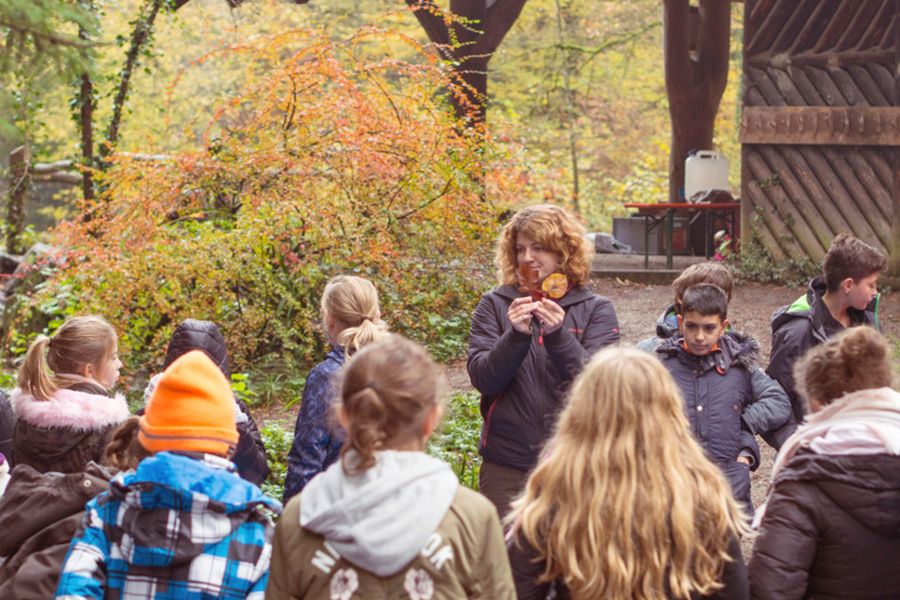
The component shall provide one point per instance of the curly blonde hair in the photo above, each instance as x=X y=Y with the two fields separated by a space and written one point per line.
x=624 y=504
x=555 y=229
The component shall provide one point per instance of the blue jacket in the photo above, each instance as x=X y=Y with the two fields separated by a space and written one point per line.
x=666 y=327
x=180 y=527
x=316 y=445
x=728 y=399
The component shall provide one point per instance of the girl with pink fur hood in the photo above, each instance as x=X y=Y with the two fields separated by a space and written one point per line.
x=64 y=411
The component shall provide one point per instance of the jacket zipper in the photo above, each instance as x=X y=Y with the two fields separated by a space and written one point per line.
x=877 y=324
x=487 y=420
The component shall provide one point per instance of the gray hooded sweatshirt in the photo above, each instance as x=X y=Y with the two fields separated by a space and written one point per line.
x=382 y=518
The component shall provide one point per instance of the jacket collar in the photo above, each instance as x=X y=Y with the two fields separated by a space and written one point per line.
x=81 y=411
x=811 y=306
x=577 y=294
x=733 y=348
x=180 y=478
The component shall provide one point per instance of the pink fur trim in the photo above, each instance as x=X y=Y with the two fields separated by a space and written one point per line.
x=67 y=408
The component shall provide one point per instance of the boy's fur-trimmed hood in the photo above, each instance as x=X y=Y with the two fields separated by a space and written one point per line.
x=81 y=411
x=735 y=348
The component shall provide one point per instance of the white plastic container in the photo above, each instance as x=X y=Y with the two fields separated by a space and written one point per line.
x=705 y=170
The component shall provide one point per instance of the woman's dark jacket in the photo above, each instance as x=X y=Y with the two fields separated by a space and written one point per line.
x=522 y=379
x=39 y=514
x=831 y=530
x=527 y=569
x=317 y=445
x=728 y=399
x=192 y=334
x=796 y=328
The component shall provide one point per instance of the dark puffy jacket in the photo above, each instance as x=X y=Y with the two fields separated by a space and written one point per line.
x=522 y=381
x=192 y=334
x=831 y=530
x=7 y=427
x=728 y=399
x=67 y=431
x=527 y=569
x=39 y=514
x=796 y=328
x=666 y=327
x=316 y=444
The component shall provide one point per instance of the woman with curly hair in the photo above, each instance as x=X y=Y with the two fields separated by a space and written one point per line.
x=624 y=503
x=529 y=339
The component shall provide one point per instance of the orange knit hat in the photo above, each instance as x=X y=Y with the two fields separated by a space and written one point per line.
x=192 y=408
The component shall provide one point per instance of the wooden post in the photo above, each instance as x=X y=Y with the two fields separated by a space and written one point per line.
x=18 y=186
x=696 y=42
x=894 y=249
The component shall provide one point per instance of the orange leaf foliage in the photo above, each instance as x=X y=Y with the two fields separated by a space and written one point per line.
x=333 y=159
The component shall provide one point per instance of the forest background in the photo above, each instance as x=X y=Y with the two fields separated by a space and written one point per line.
x=292 y=142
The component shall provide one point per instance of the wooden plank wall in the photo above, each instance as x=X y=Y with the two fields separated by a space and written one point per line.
x=821 y=124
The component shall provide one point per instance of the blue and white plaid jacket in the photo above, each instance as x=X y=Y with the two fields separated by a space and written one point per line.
x=181 y=526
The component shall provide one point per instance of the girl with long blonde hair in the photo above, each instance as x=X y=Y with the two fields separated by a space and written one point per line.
x=624 y=504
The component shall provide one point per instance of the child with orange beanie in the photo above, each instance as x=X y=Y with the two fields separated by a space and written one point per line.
x=184 y=524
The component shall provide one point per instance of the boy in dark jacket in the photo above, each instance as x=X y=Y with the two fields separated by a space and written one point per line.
x=192 y=334
x=844 y=296
x=728 y=398
x=705 y=272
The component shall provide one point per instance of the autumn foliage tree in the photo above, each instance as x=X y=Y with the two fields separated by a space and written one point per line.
x=333 y=159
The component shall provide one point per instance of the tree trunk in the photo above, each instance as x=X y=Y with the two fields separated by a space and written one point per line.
x=143 y=28
x=696 y=52
x=86 y=120
x=19 y=160
x=470 y=45
x=87 y=135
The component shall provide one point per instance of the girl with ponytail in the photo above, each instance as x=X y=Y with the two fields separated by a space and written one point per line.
x=831 y=525
x=64 y=409
x=388 y=520
x=352 y=319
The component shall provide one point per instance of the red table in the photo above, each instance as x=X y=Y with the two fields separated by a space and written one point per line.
x=655 y=213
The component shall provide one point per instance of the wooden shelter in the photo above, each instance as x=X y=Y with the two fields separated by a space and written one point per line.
x=820 y=127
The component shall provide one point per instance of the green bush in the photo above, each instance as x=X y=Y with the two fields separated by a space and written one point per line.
x=278 y=441
x=456 y=441
x=757 y=264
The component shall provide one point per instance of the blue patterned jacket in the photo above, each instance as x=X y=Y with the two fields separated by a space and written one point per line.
x=181 y=526
x=316 y=445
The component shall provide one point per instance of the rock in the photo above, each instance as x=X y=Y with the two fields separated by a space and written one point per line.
x=605 y=243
